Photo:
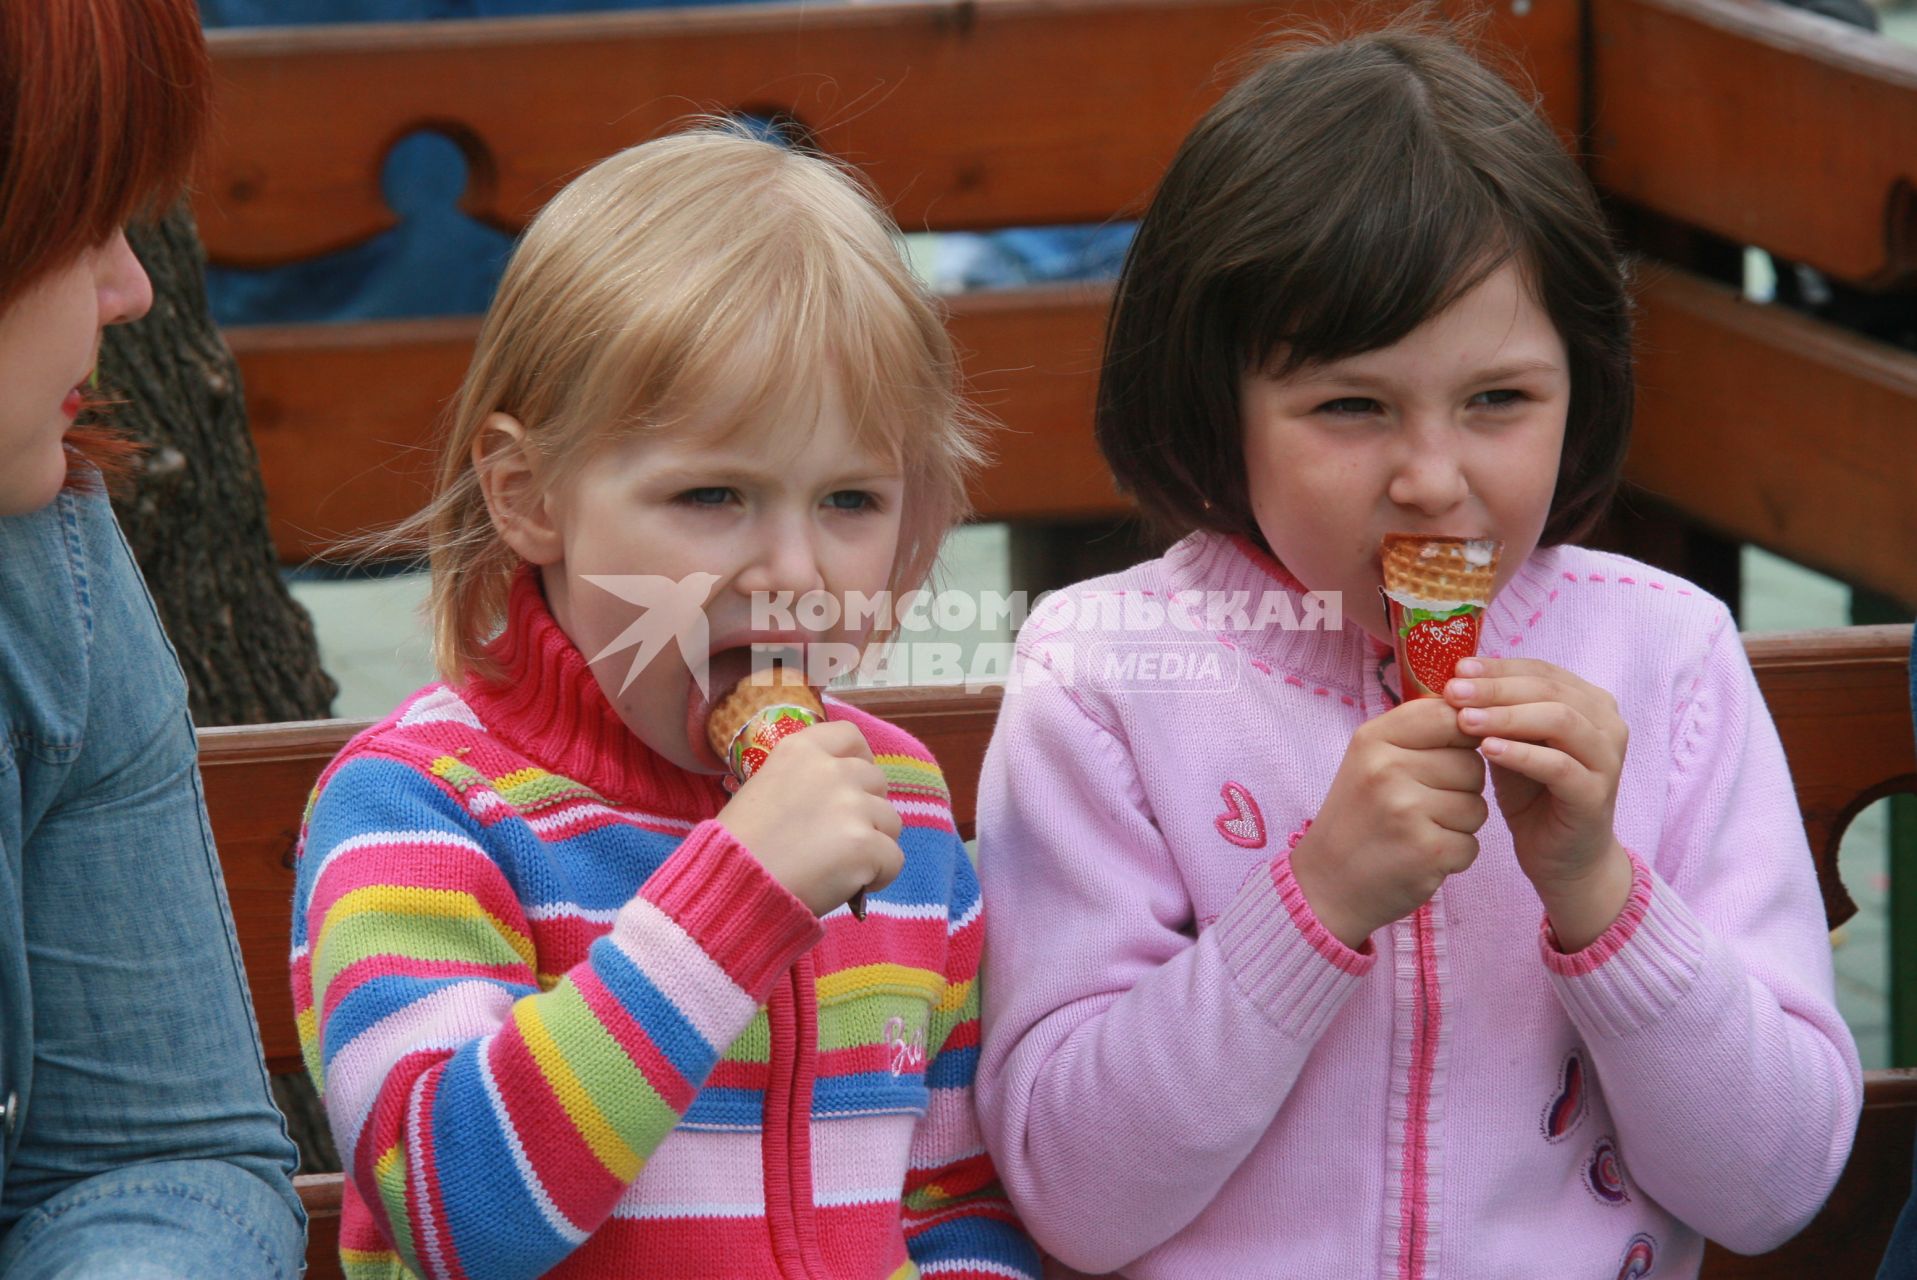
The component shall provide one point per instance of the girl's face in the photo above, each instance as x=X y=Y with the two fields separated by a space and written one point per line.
x=797 y=508
x=1456 y=429
x=49 y=343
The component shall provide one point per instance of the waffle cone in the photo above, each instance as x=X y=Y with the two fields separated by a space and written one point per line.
x=758 y=692
x=1417 y=567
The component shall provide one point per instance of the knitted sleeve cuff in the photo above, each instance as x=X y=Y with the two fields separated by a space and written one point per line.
x=1636 y=970
x=729 y=904
x=1282 y=955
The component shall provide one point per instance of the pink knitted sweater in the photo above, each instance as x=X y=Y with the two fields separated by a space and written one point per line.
x=1184 y=1075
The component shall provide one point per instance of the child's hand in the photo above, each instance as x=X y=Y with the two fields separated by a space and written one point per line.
x=1556 y=747
x=1402 y=814
x=816 y=817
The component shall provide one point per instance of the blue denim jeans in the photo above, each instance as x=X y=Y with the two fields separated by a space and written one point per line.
x=139 y=1136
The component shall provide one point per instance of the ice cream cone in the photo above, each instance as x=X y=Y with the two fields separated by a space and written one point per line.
x=756 y=715
x=1435 y=592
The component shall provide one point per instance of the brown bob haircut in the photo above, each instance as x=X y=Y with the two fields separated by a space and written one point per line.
x=1334 y=200
x=102 y=105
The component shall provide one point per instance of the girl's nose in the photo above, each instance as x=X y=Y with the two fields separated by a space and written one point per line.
x=1430 y=478
x=784 y=560
x=124 y=290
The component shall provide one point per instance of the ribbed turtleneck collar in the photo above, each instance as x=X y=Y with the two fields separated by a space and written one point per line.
x=1213 y=562
x=547 y=705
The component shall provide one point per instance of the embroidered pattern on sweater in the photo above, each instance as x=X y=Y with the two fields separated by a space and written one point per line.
x=1604 y=1173
x=907 y=1046
x=1639 y=1257
x=1242 y=822
x=1562 y=1113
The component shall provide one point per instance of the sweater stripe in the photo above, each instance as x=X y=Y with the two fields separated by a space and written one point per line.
x=535 y=1010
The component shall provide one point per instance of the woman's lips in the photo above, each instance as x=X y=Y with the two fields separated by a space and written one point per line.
x=75 y=401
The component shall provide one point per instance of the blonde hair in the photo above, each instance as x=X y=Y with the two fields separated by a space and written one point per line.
x=625 y=309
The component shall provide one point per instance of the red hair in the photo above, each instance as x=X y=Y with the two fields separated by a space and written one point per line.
x=102 y=104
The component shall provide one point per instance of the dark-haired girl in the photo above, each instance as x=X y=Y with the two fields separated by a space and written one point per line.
x=1286 y=977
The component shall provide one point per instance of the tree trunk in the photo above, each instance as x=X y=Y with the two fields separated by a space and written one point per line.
x=196 y=513
x=195 y=516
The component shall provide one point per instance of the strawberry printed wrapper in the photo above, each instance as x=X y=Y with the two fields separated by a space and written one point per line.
x=1430 y=644
x=765 y=730
x=752 y=745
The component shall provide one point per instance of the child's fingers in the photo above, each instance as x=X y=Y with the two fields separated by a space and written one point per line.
x=1457 y=768
x=1454 y=851
x=1459 y=812
x=1497 y=668
x=885 y=818
x=1504 y=691
x=867 y=777
x=1553 y=724
x=1550 y=768
x=837 y=738
x=887 y=859
x=1422 y=724
x=1506 y=681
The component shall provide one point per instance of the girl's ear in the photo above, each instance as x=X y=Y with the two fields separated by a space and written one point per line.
x=508 y=468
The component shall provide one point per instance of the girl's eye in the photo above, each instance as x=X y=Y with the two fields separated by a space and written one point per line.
x=708 y=496
x=1496 y=399
x=1349 y=407
x=852 y=500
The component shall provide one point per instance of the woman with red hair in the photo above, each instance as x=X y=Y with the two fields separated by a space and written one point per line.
x=137 y=1135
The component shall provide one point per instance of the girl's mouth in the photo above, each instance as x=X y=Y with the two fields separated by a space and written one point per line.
x=75 y=401
x=725 y=669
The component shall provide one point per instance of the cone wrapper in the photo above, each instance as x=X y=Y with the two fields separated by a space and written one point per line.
x=744 y=727
x=1435 y=593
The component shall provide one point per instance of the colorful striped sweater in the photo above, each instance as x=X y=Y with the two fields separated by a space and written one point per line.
x=564 y=1024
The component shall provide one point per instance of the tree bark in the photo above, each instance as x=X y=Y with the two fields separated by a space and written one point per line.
x=195 y=516
x=196 y=512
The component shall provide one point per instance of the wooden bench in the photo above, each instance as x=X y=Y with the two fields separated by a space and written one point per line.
x=1839 y=698
x=1763 y=426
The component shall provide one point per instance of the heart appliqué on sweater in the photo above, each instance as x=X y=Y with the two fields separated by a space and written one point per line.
x=1242 y=822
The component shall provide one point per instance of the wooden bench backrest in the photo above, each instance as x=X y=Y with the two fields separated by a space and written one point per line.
x=1839 y=698
x=1765 y=427
x=1762 y=123
x=961 y=115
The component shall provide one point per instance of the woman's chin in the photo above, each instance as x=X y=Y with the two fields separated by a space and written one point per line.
x=26 y=489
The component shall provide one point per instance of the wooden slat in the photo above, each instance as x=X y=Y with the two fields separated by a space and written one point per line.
x=963 y=114
x=322 y=1194
x=1762 y=123
x=1841 y=702
x=257 y=779
x=345 y=416
x=1779 y=430
x=1765 y=425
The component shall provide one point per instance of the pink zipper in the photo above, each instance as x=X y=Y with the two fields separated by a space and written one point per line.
x=793 y=1018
